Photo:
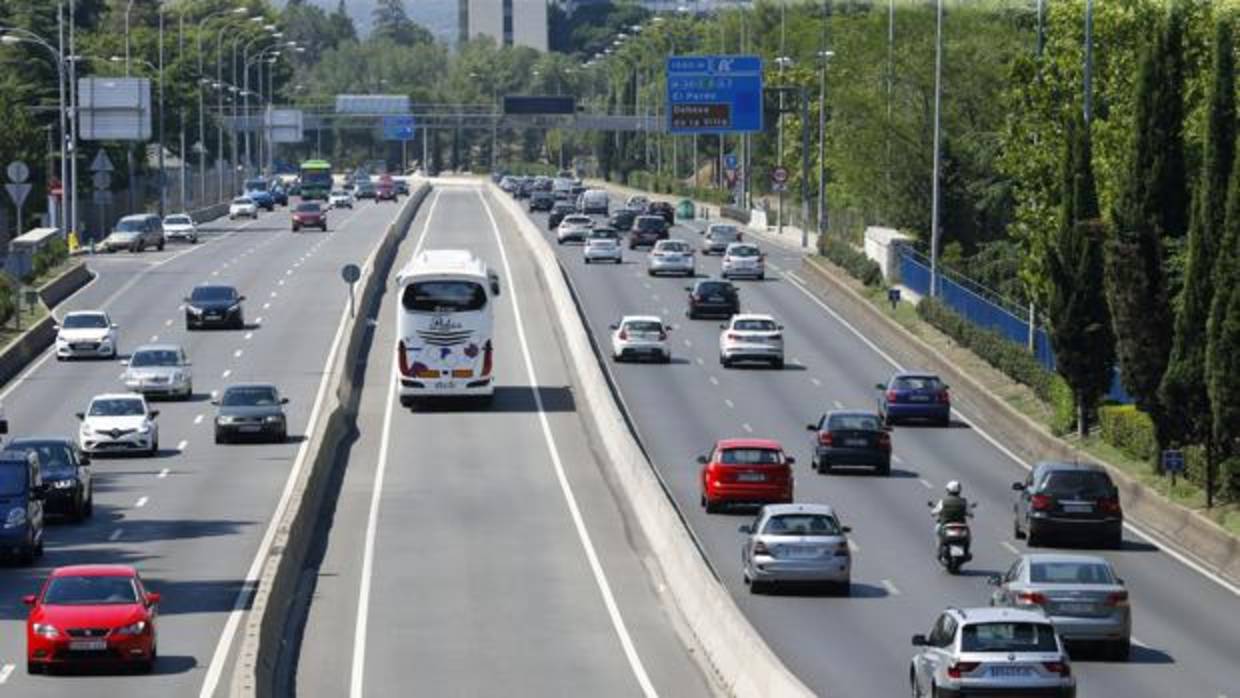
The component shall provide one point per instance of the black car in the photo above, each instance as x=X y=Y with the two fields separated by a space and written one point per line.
x=647 y=230
x=66 y=474
x=250 y=410
x=524 y=188
x=663 y=209
x=710 y=297
x=541 y=201
x=214 y=306
x=558 y=210
x=851 y=438
x=402 y=187
x=622 y=219
x=1076 y=501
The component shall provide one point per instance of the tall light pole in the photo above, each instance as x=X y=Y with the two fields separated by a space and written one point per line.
x=202 y=82
x=162 y=184
x=128 y=11
x=782 y=62
x=934 y=188
x=245 y=86
x=824 y=56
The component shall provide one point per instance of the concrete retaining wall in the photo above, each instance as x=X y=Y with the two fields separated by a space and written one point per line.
x=741 y=660
x=58 y=289
x=266 y=631
x=30 y=344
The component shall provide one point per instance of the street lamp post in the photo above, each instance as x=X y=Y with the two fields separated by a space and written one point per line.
x=934 y=189
x=203 y=81
x=245 y=86
x=824 y=56
x=159 y=71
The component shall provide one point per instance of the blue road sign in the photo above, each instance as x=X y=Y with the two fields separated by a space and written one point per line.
x=1173 y=461
x=398 y=128
x=714 y=94
x=729 y=161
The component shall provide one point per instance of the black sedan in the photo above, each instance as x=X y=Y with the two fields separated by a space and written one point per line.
x=558 y=210
x=66 y=474
x=1075 y=501
x=663 y=209
x=541 y=201
x=250 y=410
x=851 y=438
x=712 y=298
x=214 y=306
x=622 y=219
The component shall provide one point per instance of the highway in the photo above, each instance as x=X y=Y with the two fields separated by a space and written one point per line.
x=192 y=518
x=483 y=552
x=1186 y=629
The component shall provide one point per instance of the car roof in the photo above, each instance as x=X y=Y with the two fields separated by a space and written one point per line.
x=998 y=614
x=95 y=571
x=641 y=318
x=86 y=312
x=1044 y=466
x=40 y=439
x=916 y=374
x=214 y=286
x=1065 y=557
x=157 y=347
x=118 y=396
x=139 y=216
x=851 y=413
x=665 y=243
x=752 y=316
x=236 y=386
x=798 y=508
x=749 y=443
x=737 y=245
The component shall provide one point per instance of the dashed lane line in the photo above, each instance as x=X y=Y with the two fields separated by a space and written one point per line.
x=713 y=380
x=198 y=419
x=237 y=354
x=249 y=335
x=890 y=586
x=163 y=473
x=817 y=383
x=141 y=502
x=1009 y=547
x=181 y=445
x=227 y=372
x=925 y=483
x=747 y=428
x=729 y=403
x=5 y=672
x=116 y=535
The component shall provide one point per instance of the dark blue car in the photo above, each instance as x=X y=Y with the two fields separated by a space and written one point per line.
x=260 y=192
x=21 y=497
x=915 y=396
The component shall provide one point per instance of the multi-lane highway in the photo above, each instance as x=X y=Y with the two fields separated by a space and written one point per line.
x=480 y=552
x=193 y=517
x=1187 y=638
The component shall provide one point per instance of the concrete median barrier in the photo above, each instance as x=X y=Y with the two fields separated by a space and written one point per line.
x=267 y=635
x=739 y=657
x=27 y=347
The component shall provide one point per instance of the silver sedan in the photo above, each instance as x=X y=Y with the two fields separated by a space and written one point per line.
x=671 y=257
x=796 y=543
x=1081 y=594
x=159 y=370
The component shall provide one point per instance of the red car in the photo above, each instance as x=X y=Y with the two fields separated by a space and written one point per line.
x=746 y=471
x=386 y=190
x=91 y=614
x=309 y=214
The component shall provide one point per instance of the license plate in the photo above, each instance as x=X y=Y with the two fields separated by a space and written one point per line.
x=750 y=477
x=1074 y=607
x=855 y=442
x=1008 y=671
x=802 y=553
x=251 y=428
x=919 y=398
x=715 y=299
x=88 y=645
x=957 y=551
x=1078 y=508
x=445 y=385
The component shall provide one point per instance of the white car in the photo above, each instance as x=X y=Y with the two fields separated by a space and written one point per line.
x=574 y=227
x=242 y=206
x=603 y=244
x=340 y=199
x=640 y=337
x=671 y=257
x=743 y=259
x=180 y=226
x=118 y=423
x=638 y=203
x=751 y=337
x=86 y=334
x=718 y=236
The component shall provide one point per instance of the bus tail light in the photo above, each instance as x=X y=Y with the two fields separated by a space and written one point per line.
x=486 y=358
x=402 y=355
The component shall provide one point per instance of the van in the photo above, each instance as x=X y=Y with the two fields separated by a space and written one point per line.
x=136 y=233
x=21 y=500
x=594 y=201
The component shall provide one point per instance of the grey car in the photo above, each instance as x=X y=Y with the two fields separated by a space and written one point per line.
x=135 y=233
x=250 y=410
x=159 y=370
x=671 y=257
x=796 y=543
x=991 y=652
x=1081 y=594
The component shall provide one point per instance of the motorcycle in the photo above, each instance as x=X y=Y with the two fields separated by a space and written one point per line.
x=953 y=543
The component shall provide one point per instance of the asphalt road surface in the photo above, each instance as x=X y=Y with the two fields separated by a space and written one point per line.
x=482 y=552
x=1186 y=626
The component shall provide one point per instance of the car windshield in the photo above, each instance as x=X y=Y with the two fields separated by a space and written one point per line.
x=858 y=422
x=562 y=206
x=12 y=479
x=55 y=457
x=1008 y=637
x=116 y=407
x=85 y=321
x=755 y=326
x=308 y=208
x=243 y=200
x=177 y=220
x=649 y=223
x=675 y=246
x=1071 y=572
x=715 y=287
x=802 y=525
x=444 y=296
x=256 y=185
x=750 y=456
x=603 y=235
x=250 y=396
x=722 y=232
x=577 y=220
x=340 y=193
x=1084 y=483
x=643 y=326
x=154 y=357
x=744 y=251
x=213 y=293
x=90 y=591
x=916 y=383
x=129 y=225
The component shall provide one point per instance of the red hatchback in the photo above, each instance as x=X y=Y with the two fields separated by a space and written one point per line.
x=747 y=472
x=309 y=214
x=91 y=614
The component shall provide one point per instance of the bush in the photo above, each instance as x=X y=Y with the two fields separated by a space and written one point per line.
x=1129 y=430
x=47 y=258
x=8 y=297
x=850 y=260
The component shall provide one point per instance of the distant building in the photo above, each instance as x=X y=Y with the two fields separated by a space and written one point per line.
x=509 y=22
x=687 y=6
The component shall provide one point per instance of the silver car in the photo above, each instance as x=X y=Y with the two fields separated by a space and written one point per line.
x=1081 y=594
x=575 y=227
x=743 y=259
x=718 y=236
x=796 y=543
x=159 y=370
x=671 y=257
x=603 y=244
x=181 y=226
x=991 y=651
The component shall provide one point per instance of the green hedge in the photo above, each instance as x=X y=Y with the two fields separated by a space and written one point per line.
x=850 y=260
x=46 y=259
x=1129 y=430
x=657 y=184
x=8 y=299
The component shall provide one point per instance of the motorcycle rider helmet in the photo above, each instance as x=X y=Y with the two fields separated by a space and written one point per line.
x=953 y=487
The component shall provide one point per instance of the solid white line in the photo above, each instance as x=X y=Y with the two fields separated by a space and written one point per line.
x=6 y=671
x=890 y=587
x=116 y=535
x=925 y=482
x=596 y=567
x=198 y=419
x=141 y=502
x=1009 y=547
x=163 y=473
x=181 y=446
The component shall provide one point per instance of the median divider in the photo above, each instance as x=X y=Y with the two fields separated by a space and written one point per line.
x=22 y=351
x=739 y=656
x=267 y=632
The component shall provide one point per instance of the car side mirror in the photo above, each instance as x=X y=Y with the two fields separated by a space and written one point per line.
x=811 y=427
x=1018 y=486
x=703 y=460
x=154 y=414
x=153 y=598
x=83 y=459
x=283 y=401
x=29 y=599
x=185 y=299
x=930 y=504
x=614 y=325
x=919 y=640
x=744 y=528
x=994 y=580
x=240 y=298
x=689 y=288
x=846 y=529
x=80 y=415
x=790 y=460
x=124 y=362
x=880 y=386
x=215 y=401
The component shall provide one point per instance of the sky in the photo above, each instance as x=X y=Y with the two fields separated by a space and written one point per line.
x=439 y=16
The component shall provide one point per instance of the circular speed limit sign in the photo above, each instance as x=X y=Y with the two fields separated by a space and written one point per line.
x=779 y=175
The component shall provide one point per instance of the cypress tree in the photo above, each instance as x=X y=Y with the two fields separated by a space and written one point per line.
x=1080 y=323
x=1223 y=330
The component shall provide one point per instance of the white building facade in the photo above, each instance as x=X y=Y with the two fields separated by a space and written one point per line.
x=509 y=22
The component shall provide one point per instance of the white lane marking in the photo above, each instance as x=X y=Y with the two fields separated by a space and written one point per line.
x=227 y=372
x=266 y=305
x=274 y=294
x=817 y=383
x=141 y=502
x=1165 y=547
x=120 y=376
x=215 y=273
x=6 y=671
x=237 y=354
x=728 y=402
x=288 y=272
x=215 y=669
x=700 y=362
x=258 y=321
x=713 y=380
x=116 y=535
x=853 y=546
x=925 y=483
x=747 y=428
x=198 y=419
x=154 y=338
x=600 y=577
x=665 y=311
x=1009 y=547
x=249 y=335
x=688 y=343
x=163 y=473
x=890 y=587
x=897 y=458
x=182 y=444
x=838 y=405
x=655 y=298
x=167 y=323
x=281 y=282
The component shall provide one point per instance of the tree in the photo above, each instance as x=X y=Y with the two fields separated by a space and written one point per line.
x=1223 y=350
x=342 y=24
x=391 y=22
x=1080 y=322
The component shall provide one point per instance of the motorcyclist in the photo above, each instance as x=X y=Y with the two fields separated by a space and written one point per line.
x=952 y=508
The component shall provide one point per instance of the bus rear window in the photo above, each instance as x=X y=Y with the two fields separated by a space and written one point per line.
x=444 y=296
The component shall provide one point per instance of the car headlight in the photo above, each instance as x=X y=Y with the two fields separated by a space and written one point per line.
x=274 y=419
x=193 y=310
x=144 y=429
x=225 y=419
x=63 y=484
x=16 y=517
x=86 y=430
x=132 y=629
x=234 y=307
x=46 y=630
x=177 y=377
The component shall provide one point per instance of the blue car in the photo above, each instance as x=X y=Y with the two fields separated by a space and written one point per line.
x=21 y=497
x=914 y=396
x=259 y=191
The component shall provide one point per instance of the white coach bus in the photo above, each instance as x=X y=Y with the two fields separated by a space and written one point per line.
x=444 y=322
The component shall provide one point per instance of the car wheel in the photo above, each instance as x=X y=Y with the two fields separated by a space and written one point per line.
x=587 y=260
x=1119 y=650
x=161 y=244
x=842 y=588
x=1016 y=532
x=220 y=437
x=1115 y=541
x=885 y=470
x=407 y=401
x=154 y=449
x=666 y=358
x=824 y=466
x=89 y=510
x=756 y=587
x=282 y=436
x=1034 y=539
x=778 y=364
x=189 y=392
x=296 y=229
x=762 y=276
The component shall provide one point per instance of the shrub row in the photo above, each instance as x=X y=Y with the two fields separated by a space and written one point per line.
x=651 y=182
x=8 y=299
x=52 y=255
x=1129 y=430
x=851 y=260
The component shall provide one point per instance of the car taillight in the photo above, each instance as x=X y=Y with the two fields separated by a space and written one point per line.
x=776 y=337
x=1117 y=599
x=662 y=335
x=1061 y=668
x=959 y=668
x=893 y=396
x=624 y=334
x=841 y=549
x=1031 y=598
x=945 y=398
x=487 y=356
x=760 y=548
x=1109 y=505
x=825 y=438
x=884 y=441
x=734 y=337
x=402 y=355
x=1040 y=502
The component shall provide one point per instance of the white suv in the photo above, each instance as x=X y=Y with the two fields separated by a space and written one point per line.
x=640 y=336
x=751 y=337
x=575 y=227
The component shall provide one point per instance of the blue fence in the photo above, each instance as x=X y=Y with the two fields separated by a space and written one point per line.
x=986 y=309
